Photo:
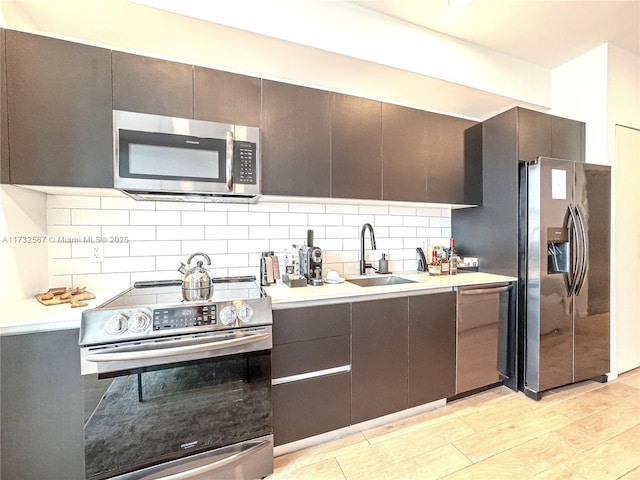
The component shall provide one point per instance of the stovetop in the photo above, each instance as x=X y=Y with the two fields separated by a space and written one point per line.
x=169 y=292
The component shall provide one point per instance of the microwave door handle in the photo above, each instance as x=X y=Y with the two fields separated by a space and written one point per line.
x=229 y=161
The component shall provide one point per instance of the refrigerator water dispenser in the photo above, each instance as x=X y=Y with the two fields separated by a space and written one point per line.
x=558 y=251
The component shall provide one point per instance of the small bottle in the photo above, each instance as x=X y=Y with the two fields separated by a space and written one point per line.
x=453 y=258
x=444 y=265
x=434 y=266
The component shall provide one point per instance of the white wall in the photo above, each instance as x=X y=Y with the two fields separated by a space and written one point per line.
x=23 y=245
x=602 y=88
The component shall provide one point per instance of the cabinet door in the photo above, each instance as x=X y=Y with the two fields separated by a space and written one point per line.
x=567 y=139
x=310 y=341
x=150 y=85
x=432 y=347
x=379 y=358
x=42 y=406
x=356 y=147
x=309 y=407
x=296 y=147
x=445 y=158
x=59 y=109
x=226 y=97
x=404 y=153
x=534 y=134
x=4 y=141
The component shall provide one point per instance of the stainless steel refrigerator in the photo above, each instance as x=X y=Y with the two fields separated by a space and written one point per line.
x=563 y=320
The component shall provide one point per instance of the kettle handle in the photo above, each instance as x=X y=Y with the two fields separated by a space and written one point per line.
x=199 y=253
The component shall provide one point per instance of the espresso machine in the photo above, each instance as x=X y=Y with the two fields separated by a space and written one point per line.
x=311 y=261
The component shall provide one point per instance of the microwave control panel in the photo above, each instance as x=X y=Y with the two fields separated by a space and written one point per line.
x=245 y=163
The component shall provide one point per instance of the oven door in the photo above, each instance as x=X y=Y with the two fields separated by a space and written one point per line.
x=182 y=417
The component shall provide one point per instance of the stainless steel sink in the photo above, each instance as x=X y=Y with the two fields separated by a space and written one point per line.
x=379 y=281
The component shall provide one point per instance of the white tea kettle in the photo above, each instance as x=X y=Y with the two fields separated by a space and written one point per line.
x=196 y=280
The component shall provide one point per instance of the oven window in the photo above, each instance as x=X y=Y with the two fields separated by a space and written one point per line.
x=150 y=416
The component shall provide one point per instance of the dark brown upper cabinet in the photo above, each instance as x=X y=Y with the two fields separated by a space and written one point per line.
x=226 y=97
x=150 y=85
x=404 y=153
x=356 y=147
x=296 y=146
x=445 y=158
x=540 y=134
x=4 y=138
x=58 y=112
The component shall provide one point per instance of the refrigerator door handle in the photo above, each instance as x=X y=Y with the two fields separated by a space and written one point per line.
x=572 y=225
x=584 y=251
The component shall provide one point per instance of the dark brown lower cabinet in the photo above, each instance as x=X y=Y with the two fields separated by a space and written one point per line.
x=310 y=407
x=379 y=358
x=41 y=406
x=432 y=347
x=310 y=367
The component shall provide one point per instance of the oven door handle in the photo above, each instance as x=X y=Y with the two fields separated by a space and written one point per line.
x=113 y=355
x=198 y=471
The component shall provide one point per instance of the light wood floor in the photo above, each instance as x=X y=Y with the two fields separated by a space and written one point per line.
x=585 y=431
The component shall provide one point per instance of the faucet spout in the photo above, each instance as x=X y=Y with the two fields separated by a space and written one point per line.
x=363 y=263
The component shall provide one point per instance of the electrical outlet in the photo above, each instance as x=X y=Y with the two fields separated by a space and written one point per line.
x=96 y=254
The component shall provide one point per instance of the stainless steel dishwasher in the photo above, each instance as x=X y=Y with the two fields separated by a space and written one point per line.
x=481 y=310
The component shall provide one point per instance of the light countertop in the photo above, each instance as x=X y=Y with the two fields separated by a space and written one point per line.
x=283 y=296
x=30 y=316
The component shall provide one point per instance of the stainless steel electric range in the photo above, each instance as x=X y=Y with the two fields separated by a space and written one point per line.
x=177 y=389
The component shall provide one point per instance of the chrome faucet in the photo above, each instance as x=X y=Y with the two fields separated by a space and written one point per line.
x=363 y=264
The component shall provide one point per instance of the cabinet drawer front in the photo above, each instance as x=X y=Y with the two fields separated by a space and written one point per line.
x=310 y=407
x=301 y=324
x=302 y=357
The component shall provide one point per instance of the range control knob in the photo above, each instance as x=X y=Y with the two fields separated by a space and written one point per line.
x=228 y=315
x=116 y=325
x=245 y=313
x=139 y=322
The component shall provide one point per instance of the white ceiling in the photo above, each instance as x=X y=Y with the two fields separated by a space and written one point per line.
x=544 y=32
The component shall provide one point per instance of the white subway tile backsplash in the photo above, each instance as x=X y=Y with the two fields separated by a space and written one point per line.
x=256 y=232
x=127 y=264
x=159 y=247
x=248 y=218
x=288 y=219
x=185 y=232
x=148 y=240
x=226 y=232
x=325 y=219
x=441 y=222
x=139 y=217
x=206 y=218
x=387 y=220
x=72 y=266
x=99 y=217
x=250 y=246
x=205 y=246
x=59 y=216
x=128 y=233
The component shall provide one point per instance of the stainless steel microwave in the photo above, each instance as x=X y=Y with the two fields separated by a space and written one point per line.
x=180 y=159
